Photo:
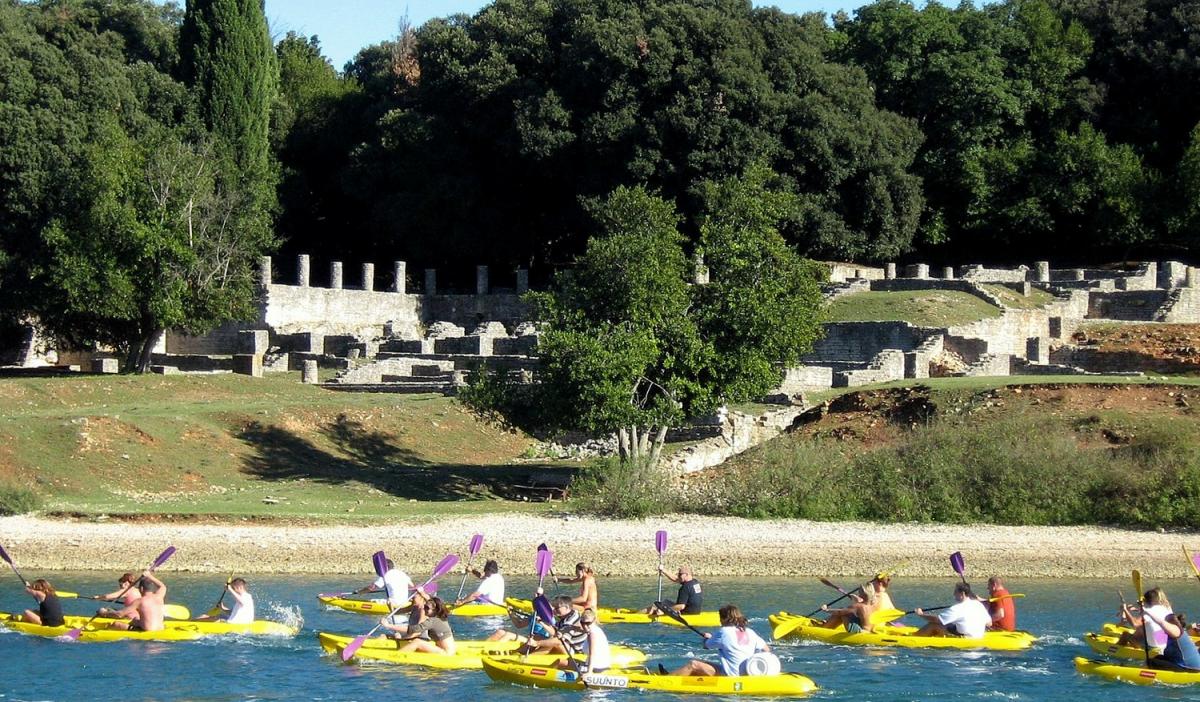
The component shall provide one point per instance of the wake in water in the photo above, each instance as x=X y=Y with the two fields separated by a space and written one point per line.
x=285 y=614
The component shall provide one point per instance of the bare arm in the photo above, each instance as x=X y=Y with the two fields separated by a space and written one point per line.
x=1173 y=630
x=162 y=587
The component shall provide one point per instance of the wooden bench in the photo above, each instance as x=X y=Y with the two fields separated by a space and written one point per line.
x=547 y=484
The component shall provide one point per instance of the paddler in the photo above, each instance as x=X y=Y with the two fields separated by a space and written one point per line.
x=433 y=633
x=125 y=592
x=566 y=626
x=967 y=617
x=599 y=655
x=1180 y=653
x=1001 y=606
x=396 y=585
x=689 y=600
x=589 y=595
x=1156 y=602
x=242 y=611
x=49 y=608
x=735 y=641
x=857 y=617
x=490 y=590
x=146 y=614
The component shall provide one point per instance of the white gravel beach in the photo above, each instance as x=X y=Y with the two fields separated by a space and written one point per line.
x=712 y=546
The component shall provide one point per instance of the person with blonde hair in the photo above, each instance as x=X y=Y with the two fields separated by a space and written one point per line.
x=599 y=655
x=589 y=595
x=49 y=608
x=857 y=617
x=735 y=641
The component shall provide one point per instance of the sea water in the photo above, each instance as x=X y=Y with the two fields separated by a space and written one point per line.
x=244 y=668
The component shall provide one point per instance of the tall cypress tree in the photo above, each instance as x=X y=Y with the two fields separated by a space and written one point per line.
x=228 y=59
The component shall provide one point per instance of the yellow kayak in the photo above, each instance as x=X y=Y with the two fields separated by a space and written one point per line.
x=95 y=634
x=785 y=625
x=1107 y=645
x=608 y=615
x=260 y=627
x=468 y=654
x=512 y=670
x=1134 y=674
x=380 y=607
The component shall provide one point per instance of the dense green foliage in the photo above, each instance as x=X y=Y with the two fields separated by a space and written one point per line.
x=118 y=218
x=958 y=469
x=18 y=500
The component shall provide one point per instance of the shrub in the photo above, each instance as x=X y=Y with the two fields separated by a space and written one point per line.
x=18 y=500
x=625 y=490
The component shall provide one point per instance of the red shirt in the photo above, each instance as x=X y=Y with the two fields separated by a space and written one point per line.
x=1008 y=620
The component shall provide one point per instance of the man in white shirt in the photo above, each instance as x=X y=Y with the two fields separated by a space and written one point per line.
x=394 y=582
x=491 y=590
x=967 y=617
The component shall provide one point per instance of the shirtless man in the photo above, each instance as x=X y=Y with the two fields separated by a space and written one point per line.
x=857 y=617
x=589 y=595
x=147 y=613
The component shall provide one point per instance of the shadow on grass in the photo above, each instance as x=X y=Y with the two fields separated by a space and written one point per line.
x=370 y=458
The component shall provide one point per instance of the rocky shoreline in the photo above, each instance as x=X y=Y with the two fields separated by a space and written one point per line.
x=713 y=546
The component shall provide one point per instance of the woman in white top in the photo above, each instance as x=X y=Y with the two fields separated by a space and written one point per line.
x=736 y=642
x=599 y=657
x=491 y=590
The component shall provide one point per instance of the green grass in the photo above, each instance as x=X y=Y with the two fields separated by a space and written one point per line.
x=978 y=384
x=228 y=445
x=923 y=308
x=1036 y=299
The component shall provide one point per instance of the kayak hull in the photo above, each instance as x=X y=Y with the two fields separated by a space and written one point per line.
x=103 y=635
x=258 y=627
x=1107 y=646
x=468 y=654
x=787 y=625
x=380 y=607
x=1134 y=674
x=512 y=670
x=609 y=615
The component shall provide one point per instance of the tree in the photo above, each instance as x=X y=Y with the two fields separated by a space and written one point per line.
x=228 y=59
x=632 y=347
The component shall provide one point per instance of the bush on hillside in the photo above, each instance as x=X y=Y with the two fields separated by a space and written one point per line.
x=624 y=490
x=18 y=500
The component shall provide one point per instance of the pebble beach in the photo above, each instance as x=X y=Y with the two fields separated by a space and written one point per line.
x=712 y=546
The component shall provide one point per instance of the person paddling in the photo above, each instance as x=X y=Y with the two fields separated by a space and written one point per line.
x=124 y=592
x=1146 y=628
x=565 y=626
x=599 y=654
x=49 y=608
x=690 y=599
x=735 y=641
x=1180 y=652
x=1001 y=606
x=242 y=611
x=589 y=595
x=146 y=614
x=857 y=617
x=967 y=617
x=491 y=589
x=395 y=584
x=433 y=633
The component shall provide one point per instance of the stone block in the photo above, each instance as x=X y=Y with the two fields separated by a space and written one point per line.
x=430 y=281
x=889 y=271
x=481 y=280
x=1056 y=327
x=106 y=365
x=368 y=276
x=444 y=330
x=255 y=341
x=1193 y=277
x=308 y=375
x=1042 y=269
x=490 y=329
x=164 y=370
x=399 y=270
x=308 y=342
x=335 y=275
x=948 y=273
x=264 y=271
x=248 y=364
x=302 y=270
x=920 y=271
x=1025 y=288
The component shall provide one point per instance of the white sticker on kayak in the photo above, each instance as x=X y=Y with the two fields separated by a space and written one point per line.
x=597 y=680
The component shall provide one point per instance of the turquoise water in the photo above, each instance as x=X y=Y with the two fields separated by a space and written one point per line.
x=295 y=669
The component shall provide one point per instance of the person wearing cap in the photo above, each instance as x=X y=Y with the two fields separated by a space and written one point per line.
x=689 y=600
x=491 y=589
x=882 y=583
x=967 y=617
x=1180 y=652
x=399 y=625
x=394 y=582
x=1001 y=606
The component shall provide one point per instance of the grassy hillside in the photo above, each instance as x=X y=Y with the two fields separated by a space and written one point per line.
x=924 y=308
x=228 y=445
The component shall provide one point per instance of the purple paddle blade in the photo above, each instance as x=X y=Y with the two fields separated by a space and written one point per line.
x=379 y=560
x=476 y=544
x=545 y=559
x=660 y=541
x=445 y=566
x=4 y=555
x=958 y=564
x=162 y=557
x=352 y=647
x=545 y=612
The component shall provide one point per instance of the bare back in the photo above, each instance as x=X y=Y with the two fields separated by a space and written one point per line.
x=589 y=594
x=150 y=611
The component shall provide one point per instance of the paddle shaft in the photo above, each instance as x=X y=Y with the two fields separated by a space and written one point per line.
x=12 y=565
x=830 y=603
x=1137 y=589
x=442 y=568
x=671 y=612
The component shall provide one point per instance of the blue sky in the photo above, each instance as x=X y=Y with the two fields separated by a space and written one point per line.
x=345 y=26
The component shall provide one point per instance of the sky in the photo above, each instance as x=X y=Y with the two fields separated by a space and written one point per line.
x=345 y=26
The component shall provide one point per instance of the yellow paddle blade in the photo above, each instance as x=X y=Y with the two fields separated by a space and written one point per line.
x=782 y=629
x=882 y=616
x=71 y=595
x=1137 y=584
x=174 y=611
x=1009 y=596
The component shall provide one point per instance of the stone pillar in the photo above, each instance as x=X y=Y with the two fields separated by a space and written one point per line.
x=431 y=281
x=302 y=270
x=948 y=273
x=920 y=271
x=481 y=280
x=1043 y=271
x=308 y=376
x=264 y=271
x=400 y=271
x=1193 y=277
x=335 y=275
x=248 y=364
x=106 y=365
x=368 y=277
x=889 y=271
x=522 y=281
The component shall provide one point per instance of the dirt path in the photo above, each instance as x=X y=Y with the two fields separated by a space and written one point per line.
x=713 y=546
